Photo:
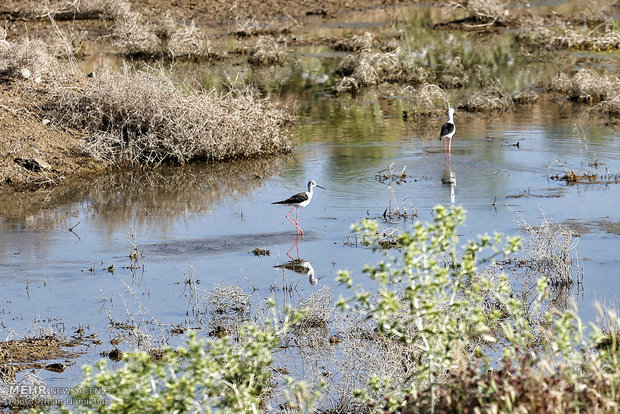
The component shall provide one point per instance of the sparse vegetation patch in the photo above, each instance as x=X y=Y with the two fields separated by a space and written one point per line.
x=141 y=118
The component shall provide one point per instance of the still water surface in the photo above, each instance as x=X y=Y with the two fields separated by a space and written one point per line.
x=205 y=220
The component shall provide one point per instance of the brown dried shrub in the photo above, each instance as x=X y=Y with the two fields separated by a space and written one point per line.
x=370 y=68
x=555 y=33
x=520 y=386
x=493 y=98
x=355 y=43
x=190 y=43
x=587 y=86
x=267 y=51
x=140 y=117
x=428 y=99
x=27 y=58
x=74 y=10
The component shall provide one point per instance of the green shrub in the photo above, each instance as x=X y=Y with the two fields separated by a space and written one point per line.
x=221 y=375
x=453 y=317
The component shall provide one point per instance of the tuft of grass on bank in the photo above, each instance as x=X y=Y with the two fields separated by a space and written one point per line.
x=140 y=117
x=268 y=51
x=372 y=68
x=493 y=98
x=587 y=86
x=73 y=10
x=27 y=59
x=554 y=33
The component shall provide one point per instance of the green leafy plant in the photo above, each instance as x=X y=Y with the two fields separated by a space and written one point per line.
x=221 y=375
x=432 y=297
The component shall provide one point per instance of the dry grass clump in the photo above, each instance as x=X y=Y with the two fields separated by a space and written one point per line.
x=228 y=308
x=557 y=34
x=454 y=75
x=355 y=43
x=587 y=86
x=74 y=9
x=189 y=42
x=492 y=98
x=427 y=99
x=140 y=117
x=251 y=28
x=369 y=68
x=611 y=107
x=550 y=251
x=134 y=36
x=27 y=58
x=267 y=51
x=520 y=386
x=485 y=12
x=524 y=98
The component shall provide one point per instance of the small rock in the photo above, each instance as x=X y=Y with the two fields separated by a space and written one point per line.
x=25 y=72
x=56 y=367
x=115 y=355
x=35 y=164
x=46 y=122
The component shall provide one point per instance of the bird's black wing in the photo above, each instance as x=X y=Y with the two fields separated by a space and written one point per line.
x=296 y=199
x=446 y=129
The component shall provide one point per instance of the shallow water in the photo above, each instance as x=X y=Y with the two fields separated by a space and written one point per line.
x=203 y=221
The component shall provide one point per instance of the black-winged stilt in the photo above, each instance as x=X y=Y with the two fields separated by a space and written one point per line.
x=299 y=200
x=447 y=130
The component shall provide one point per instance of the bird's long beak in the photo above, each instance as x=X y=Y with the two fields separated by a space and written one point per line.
x=320 y=187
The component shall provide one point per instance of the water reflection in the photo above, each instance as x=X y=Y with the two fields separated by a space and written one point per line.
x=299 y=265
x=448 y=178
x=123 y=200
x=122 y=197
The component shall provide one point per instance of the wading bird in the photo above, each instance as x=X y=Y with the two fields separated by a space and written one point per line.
x=447 y=130
x=299 y=200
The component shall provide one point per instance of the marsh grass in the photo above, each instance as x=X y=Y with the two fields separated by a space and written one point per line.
x=74 y=9
x=492 y=98
x=453 y=75
x=134 y=36
x=355 y=43
x=139 y=117
x=368 y=68
x=268 y=51
x=590 y=87
x=426 y=100
x=484 y=12
x=253 y=27
x=188 y=42
x=557 y=33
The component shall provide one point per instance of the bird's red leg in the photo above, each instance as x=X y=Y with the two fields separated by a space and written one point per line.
x=299 y=230
x=297 y=222
x=289 y=219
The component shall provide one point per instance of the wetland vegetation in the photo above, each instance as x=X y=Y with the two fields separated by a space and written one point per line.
x=101 y=99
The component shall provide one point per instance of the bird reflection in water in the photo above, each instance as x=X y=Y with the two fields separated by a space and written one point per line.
x=449 y=178
x=299 y=265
